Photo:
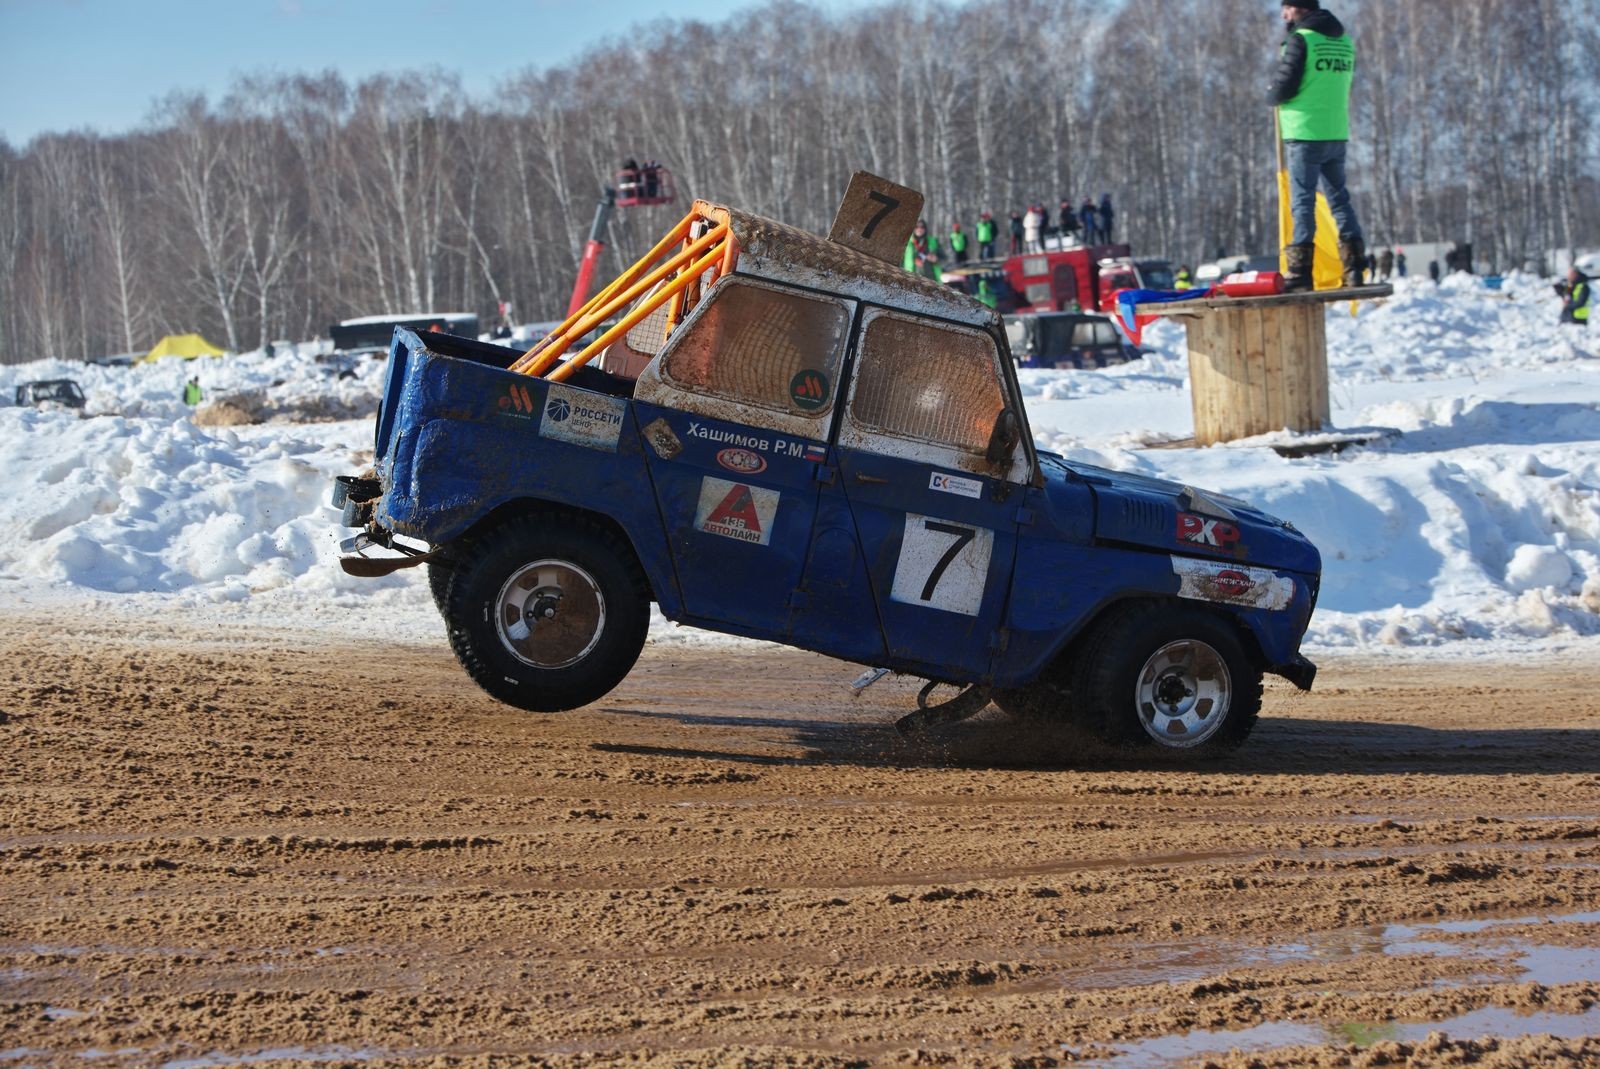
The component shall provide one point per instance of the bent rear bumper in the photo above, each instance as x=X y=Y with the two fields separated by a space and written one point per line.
x=354 y=496
x=1299 y=671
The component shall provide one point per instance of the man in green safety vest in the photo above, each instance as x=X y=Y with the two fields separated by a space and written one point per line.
x=1182 y=280
x=1578 y=297
x=958 y=243
x=986 y=236
x=930 y=263
x=1316 y=66
x=191 y=391
x=986 y=293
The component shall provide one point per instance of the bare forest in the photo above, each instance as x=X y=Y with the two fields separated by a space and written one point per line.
x=297 y=200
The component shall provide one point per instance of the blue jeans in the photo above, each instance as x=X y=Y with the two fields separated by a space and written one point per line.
x=1309 y=161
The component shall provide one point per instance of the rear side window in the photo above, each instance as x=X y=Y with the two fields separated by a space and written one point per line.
x=927 y=381
x=763 y=346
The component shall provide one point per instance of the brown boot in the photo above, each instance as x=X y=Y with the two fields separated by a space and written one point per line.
x=1297 y=264
x=1353 y=259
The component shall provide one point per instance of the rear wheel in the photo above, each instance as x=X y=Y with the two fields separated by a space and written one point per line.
x=1166 y=677
x=440 y=571
x=545 y=613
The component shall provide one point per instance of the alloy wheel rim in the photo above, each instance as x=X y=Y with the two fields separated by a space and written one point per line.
x=1183 y=693
x=550 y=614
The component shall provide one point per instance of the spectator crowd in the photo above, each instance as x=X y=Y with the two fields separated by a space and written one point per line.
x=1030 y=230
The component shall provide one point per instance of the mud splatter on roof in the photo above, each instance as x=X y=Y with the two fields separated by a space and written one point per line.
x=770 y=249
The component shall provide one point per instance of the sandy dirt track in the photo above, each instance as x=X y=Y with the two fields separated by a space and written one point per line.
x=265 y=847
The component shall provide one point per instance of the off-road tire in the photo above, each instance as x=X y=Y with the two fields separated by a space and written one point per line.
x=1166 y=678
x=441 y=569
x=599 y=612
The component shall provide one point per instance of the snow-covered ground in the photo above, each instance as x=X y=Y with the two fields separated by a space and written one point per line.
x=1476 y=530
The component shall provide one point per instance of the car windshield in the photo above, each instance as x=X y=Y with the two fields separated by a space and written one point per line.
x=57 y=391
x=1062 y=334
x=1157 y=275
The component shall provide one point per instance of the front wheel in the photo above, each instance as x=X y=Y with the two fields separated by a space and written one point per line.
x=1167 y=677
x=546 y=613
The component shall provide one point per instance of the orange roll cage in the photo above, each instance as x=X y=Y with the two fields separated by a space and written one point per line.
x=708 y=251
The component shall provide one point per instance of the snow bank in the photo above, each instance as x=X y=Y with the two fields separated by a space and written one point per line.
x=1477 y=528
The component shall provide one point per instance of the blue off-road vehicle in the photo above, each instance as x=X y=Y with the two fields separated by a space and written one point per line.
x=782 y=437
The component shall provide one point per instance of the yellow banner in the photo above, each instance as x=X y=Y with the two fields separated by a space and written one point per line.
x=1325 y=270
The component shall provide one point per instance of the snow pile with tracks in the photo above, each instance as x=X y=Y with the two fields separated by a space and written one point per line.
x=1477 y=527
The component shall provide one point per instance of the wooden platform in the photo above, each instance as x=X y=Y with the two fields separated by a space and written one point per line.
x=1258 y=364
x=1277 y=300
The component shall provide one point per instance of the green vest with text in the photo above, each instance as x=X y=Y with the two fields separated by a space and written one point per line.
x=985 y=231
x=1320 y=111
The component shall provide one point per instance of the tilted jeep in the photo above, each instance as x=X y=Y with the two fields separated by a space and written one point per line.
x=781 y=437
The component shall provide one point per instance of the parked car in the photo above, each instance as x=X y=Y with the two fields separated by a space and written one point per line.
x=1067 y=340
x=51 y=393
x=827 y=452
x=985 y=281
x=374 y=332
x=1209 y=274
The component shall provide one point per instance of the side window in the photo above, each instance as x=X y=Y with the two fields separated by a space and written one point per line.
x=762 y=346
x=1083 y=334
x=927 y=381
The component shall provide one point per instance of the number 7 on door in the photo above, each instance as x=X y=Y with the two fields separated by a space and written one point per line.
x=942 y=565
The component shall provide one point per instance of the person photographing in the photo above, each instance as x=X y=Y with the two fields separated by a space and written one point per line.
x=1577 y=297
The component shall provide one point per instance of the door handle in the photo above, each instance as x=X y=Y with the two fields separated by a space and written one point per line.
x=863 y=477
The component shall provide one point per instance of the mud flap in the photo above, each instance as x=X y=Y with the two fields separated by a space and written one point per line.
x=970 y=702
x=1299 y=671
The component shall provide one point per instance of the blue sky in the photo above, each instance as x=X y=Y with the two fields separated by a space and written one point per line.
x=72 y=64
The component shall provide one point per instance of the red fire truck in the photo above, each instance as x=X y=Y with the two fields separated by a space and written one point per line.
x=1081 y=279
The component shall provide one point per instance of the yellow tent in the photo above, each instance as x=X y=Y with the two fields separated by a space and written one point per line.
x=187 y=346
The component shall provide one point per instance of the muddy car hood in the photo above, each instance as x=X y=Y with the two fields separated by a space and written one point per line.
x=1167 y=516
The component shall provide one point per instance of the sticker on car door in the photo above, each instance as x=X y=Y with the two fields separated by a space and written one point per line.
x=946 y=483
x=943 y=565
x=736 y=510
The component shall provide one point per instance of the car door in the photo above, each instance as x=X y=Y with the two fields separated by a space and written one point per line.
x=937 y=522
x=735 y=415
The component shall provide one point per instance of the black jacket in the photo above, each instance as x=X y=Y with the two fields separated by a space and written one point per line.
x=1292 y=64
